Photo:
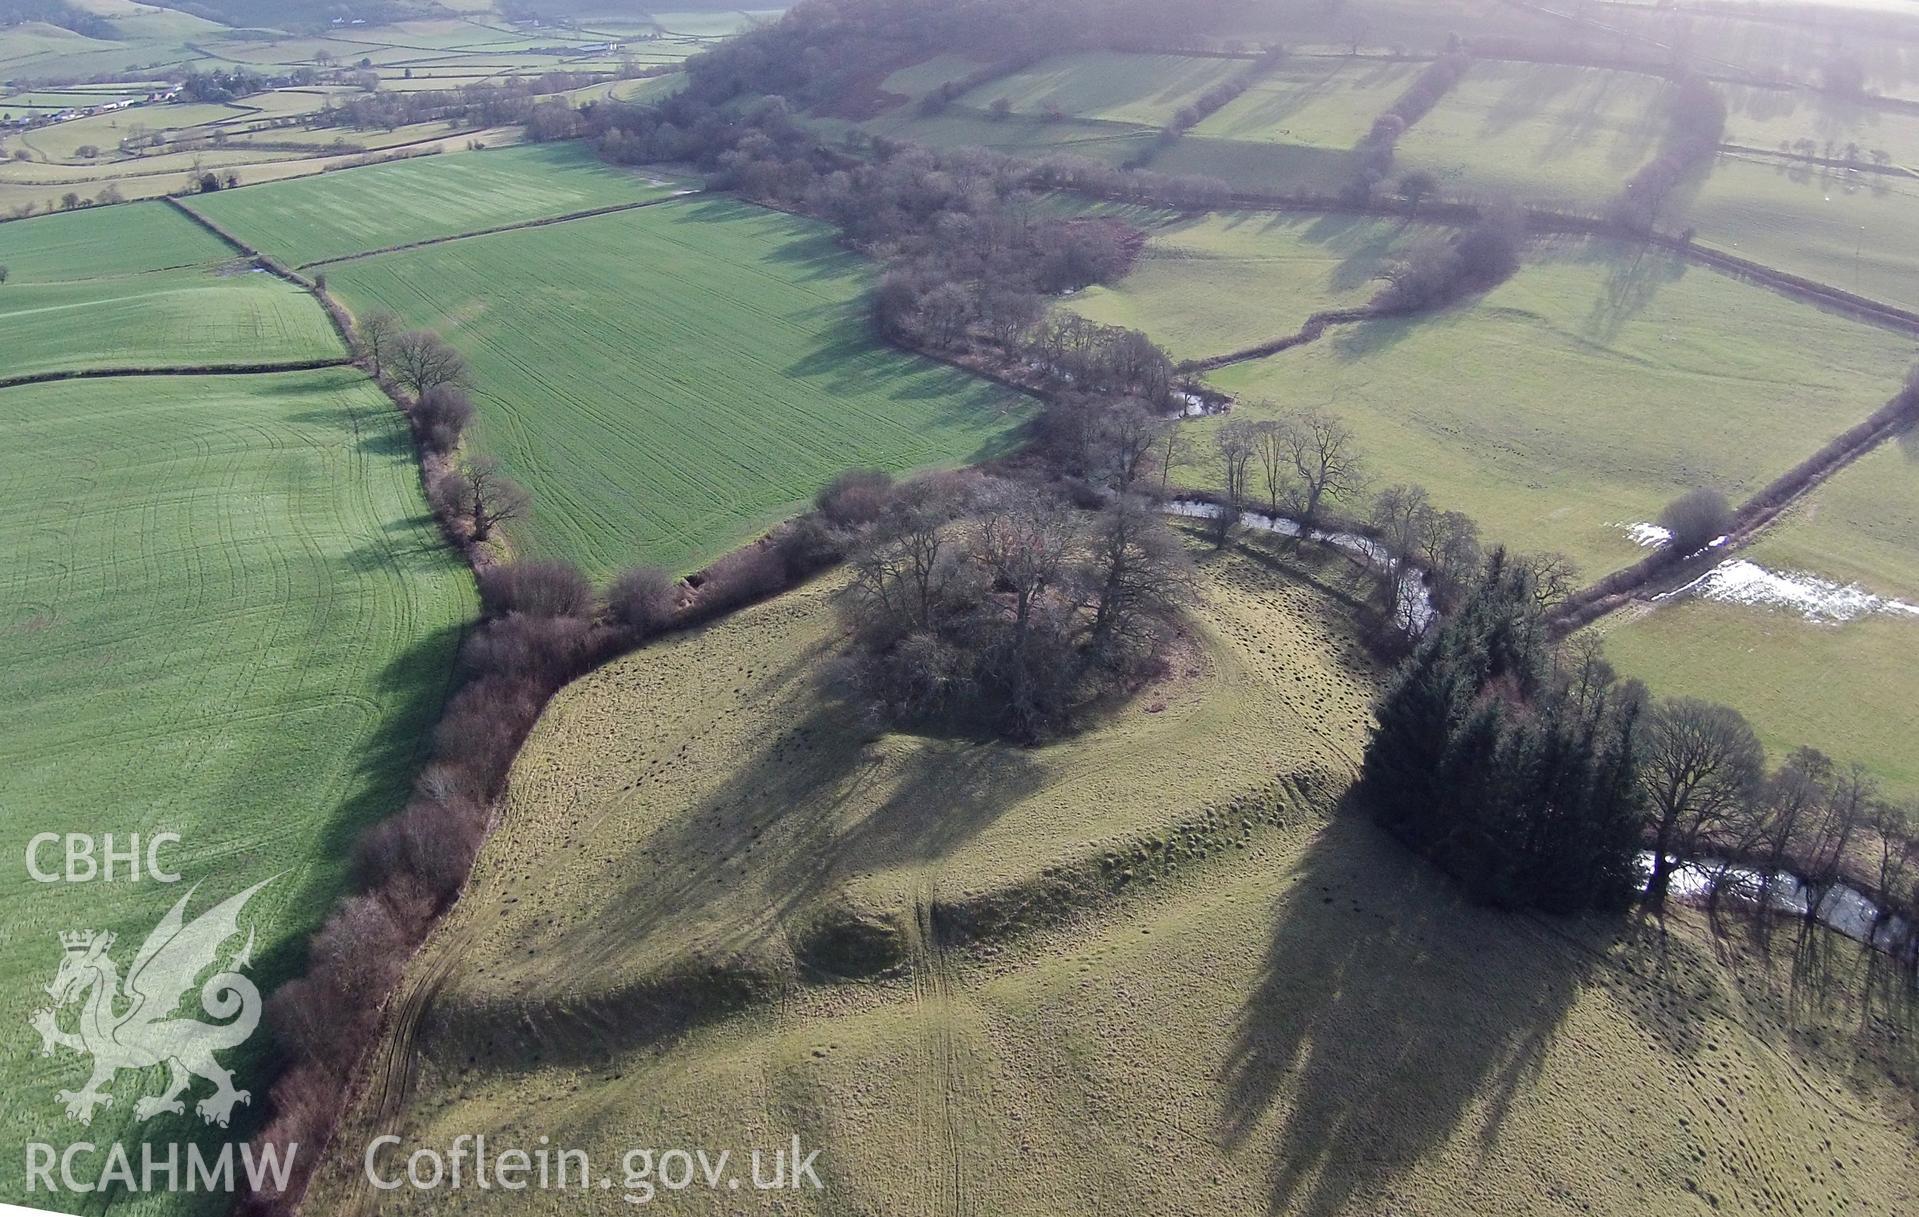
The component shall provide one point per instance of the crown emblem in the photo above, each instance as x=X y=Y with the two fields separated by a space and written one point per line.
x=76 y=940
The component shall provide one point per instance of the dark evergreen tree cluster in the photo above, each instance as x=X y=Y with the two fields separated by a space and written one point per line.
x=1509 y=762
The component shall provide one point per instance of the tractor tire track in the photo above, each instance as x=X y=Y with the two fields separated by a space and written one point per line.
x=943 y=1184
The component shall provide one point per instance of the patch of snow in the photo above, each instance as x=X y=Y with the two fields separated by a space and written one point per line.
x=1645 y=535
x=1738 y=581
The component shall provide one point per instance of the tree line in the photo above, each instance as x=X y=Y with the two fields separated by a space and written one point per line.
x=1535 y=775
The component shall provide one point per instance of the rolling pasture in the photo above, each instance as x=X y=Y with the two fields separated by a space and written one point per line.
x=1620 y=387
x=1856 y=231
x=1313 y=103
x=1231 y=280
x=143 y=286
x=1539 y=132
x=1135 y=938
x=1142 y=90
x=337 y=214
x=668 y=381
x=225 y=614
x=1841 y=686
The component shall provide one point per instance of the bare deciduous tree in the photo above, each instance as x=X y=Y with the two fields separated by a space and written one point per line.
x=1275 y=449
x=423 y=361
x=1327 y=462
x=377 y=332
x=1702 y=763
x=492 y=498
x=1139 y=575
x=1234 y=445
x=1129 y=435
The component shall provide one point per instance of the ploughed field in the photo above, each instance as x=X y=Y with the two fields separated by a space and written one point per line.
x=1155 y=967
x=224 y=615
x=671 y=380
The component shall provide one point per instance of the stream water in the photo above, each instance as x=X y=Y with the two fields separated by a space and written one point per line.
x=1840 y=907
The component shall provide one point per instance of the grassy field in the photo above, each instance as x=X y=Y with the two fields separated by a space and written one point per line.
x=667 y=381
x=1767 y=118
x=1193 y=1006
x=150 y=177
x=1314 y=103
x=1620 y=386
x=1855 y=231
x=381 y=205
x=1020 y=135
x=225 y=614
x=1840 y=687
x=1860 y=527
x=85 y=296
x=1230 y=280
x=136 y=240
x=1144 y=90
x=1539 y=132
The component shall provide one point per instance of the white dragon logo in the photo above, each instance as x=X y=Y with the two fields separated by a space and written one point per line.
x=134 y=1028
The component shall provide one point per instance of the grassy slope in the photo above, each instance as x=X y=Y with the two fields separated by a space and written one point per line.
x=1859 y=232
x=1539 y=132
x=1295 y=1018
x=1615 y=386
x=224 y=614
x=1230 y=280
x=667 y=381
x=1844 y=689
x=382 y=205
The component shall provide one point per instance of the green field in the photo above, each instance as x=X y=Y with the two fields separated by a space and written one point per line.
x=1856 y=231
x=668 y=381
x=1768 y=118
x=179 y=319
x=1844 y=689
x=1860 y=527
x=1138 y=971
x=1314 y=103
x=381 y=205
x=224 y=614
x=1108 y=142
x=1541 y=132
x=1231 y=280
x=1841 y=687
x=144 y=286
x=1142 y=90
x=1619 y=386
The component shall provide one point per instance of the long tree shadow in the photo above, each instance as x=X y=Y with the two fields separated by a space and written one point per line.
x=1388 y=1015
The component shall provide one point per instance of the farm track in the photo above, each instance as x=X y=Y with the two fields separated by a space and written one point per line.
x=500 y=228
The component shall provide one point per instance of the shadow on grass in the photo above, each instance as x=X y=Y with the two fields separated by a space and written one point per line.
x=1389 y=1014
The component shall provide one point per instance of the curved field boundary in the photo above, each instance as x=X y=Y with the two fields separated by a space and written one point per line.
x=1314 y=329
x=500 y=228
x=221 y=369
